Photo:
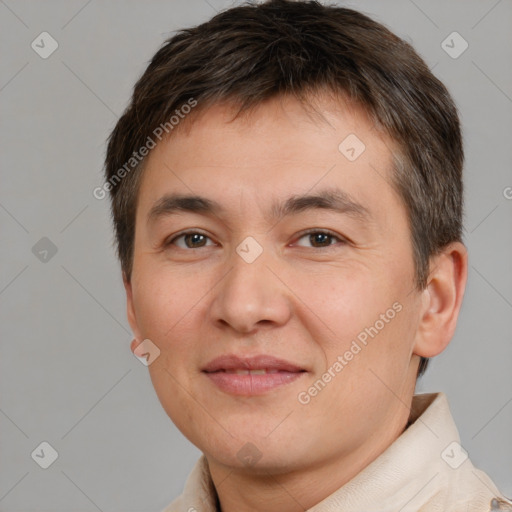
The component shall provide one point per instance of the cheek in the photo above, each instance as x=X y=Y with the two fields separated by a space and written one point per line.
x=167 y=313
x=344 y=303
x=366 y=321
x=163 y=301
x=167 y=310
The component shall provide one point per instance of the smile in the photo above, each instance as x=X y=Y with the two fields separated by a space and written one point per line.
x=249 y=376
x=253 y=382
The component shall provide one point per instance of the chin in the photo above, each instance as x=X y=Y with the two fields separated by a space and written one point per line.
x=256 y=460
x=249 y=450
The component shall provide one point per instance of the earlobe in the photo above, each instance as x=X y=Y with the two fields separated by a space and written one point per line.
x=442 y=300
x=130 y=312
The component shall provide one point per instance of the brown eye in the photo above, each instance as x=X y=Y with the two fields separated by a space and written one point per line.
x=194 y=240
x=190 y=240
x=319 y=239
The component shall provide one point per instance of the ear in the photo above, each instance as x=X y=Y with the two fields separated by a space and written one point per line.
x=442 y=300
x=130 y=313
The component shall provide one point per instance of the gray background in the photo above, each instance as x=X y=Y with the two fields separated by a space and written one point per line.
x=67 y=375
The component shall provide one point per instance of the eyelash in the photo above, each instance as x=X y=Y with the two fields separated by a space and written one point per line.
x=312 y=231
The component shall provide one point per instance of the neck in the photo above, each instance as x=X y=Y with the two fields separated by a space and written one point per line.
x=273 y=491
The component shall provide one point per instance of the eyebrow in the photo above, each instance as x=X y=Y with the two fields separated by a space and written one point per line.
x=328 y=199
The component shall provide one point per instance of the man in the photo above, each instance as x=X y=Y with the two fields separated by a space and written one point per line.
x=286 y=190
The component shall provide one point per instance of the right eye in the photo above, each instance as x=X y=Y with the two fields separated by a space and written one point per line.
x=189 y=240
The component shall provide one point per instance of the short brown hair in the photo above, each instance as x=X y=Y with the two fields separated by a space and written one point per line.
x=250 y=53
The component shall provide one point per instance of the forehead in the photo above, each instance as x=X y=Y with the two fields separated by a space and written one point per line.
x=275 y=150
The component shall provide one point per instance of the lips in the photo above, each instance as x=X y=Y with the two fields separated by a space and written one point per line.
x=251 y=375
x=232 y=363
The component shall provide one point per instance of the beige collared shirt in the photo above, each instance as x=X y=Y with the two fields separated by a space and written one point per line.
x=424 y=470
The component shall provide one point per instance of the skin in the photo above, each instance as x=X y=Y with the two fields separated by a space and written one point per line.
x=301 y=300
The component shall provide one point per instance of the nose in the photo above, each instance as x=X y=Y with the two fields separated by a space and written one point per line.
x=251 y=295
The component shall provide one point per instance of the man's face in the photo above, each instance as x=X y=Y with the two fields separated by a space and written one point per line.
x=270 y=272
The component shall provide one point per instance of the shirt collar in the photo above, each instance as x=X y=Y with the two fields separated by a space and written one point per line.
x=417 y=469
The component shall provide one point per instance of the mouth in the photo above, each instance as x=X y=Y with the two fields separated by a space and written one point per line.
x=248 y=376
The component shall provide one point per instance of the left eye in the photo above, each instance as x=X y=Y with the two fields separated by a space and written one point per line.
x=196 y=240
x=320 y=238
